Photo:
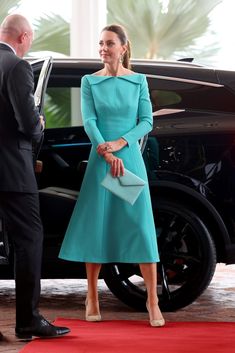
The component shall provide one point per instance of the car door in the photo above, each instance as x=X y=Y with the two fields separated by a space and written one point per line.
x=63 y=155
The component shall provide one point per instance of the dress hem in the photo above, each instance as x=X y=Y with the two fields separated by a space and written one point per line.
x=113 y=261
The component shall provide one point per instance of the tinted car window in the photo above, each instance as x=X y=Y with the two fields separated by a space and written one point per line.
x=177 y=94
x=161 y=99
x=62 y=107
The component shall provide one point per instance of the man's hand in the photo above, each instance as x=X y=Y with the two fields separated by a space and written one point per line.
x=42 y=122
x=38 y=167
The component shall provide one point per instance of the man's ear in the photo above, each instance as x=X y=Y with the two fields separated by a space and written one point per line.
x=21 y=37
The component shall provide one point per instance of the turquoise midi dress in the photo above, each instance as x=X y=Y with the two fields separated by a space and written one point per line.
x=104 y=228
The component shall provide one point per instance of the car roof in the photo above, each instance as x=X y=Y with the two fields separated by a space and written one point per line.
x=91 y=61
x=175 y=71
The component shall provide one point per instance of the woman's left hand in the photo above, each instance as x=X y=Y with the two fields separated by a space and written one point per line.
x=111 y=146
x=116 y=164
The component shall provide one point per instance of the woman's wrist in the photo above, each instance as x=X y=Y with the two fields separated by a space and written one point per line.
x=108 y=157
x=122 y=142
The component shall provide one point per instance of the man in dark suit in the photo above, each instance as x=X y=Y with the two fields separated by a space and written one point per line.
x=20 y=125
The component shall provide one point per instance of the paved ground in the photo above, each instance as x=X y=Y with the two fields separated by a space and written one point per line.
x=65 y=298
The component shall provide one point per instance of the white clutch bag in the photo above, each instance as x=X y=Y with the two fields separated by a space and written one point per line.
x=128 y=187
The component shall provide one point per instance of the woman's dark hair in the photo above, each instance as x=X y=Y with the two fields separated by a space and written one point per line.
x=121 y=33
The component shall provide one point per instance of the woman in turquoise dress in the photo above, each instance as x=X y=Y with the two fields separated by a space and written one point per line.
x=116 y=112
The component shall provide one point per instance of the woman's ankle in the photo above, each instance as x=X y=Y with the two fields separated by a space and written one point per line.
x=154 y=310
x=92 y=306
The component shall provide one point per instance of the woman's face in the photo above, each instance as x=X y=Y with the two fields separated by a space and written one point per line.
x=110 y=47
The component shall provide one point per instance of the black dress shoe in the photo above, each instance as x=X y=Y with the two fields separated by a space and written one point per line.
x=40 y=328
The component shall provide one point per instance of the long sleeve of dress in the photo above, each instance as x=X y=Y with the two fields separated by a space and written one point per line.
x=89 y=114
x=145 y=119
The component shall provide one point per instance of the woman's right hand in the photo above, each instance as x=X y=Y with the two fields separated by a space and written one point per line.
x=116 y=164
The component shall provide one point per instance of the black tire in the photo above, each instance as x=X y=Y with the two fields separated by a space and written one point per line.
x=187 y=255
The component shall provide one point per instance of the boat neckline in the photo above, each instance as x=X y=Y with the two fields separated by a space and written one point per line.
x=136 y=73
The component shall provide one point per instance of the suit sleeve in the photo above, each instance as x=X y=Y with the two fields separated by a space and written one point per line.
x=89 y=115
x=145 y=118
x=21 y=88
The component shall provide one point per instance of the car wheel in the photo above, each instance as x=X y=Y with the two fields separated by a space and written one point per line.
x=187 y=261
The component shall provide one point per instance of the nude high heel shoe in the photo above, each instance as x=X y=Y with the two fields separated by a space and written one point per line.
x=91 y=318
x=155 y=323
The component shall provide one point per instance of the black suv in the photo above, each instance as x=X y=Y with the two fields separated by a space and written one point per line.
x=190 y=159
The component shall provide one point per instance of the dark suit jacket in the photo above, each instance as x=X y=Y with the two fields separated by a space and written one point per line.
x=19 y=123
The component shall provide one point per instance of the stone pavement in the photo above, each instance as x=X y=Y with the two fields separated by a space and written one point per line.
x=65 y=298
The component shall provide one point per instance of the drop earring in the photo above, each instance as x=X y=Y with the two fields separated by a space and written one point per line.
x=121 y=59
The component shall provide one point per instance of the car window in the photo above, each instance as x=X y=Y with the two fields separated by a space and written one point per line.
x=190 y=95
x=161 y=99
x=62 y=107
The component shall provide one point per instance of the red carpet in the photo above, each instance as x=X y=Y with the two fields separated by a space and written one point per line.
x=138 y=337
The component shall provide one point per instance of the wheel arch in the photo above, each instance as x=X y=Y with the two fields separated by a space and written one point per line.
x=198 y=203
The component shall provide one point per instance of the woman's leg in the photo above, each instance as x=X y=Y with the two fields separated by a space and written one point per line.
x=92 y=299
x=149 y=273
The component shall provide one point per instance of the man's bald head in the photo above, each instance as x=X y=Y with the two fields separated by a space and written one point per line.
x=15 y=25
x=17 y=31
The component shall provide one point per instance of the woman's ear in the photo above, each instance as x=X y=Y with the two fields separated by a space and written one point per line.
x=124 y=49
